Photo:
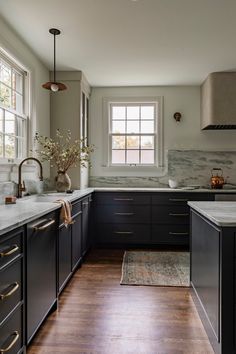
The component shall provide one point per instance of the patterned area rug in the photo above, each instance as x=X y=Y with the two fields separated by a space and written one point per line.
x=156 y=268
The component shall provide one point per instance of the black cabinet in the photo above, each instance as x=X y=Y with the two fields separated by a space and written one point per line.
x=76 y=234
x=41 y=293
x=86 y=239
x=12 y=292
x=64 y=255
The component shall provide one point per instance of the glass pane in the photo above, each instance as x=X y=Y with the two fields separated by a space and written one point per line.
x=118 y=156
x=132 y=127
x=147 y=156
x=20 y=148
x=133 y=112
x=132 y=156
x=9 y=123
x=1 y=120
x=147 y=142
x=17 y=82
x=118 y=142
x=5 y=95
x=147 y=112
x=9 y=146
x=118 y=112
x=132 y=142
x=118 y=127
x=5 y=74
x=147 y=126
x=1 y=145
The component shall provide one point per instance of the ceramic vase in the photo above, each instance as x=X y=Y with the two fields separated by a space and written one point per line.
x=63 y=182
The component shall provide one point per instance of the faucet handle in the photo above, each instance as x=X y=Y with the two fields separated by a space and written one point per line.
x=22 y=187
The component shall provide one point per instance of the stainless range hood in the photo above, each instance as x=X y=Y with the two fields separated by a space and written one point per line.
x=218 y=101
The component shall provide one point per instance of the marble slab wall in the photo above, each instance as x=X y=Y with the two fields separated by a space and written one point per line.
x=188 y=167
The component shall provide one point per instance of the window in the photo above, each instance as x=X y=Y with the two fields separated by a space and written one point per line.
x=134 y=132
x=13 y=118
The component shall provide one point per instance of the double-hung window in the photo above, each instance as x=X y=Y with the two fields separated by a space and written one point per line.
x=13 y=113
x=135 y=133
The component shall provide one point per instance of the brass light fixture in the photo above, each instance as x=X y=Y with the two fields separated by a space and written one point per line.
x=54 y=85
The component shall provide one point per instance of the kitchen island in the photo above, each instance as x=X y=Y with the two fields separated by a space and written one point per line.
x=213 y=269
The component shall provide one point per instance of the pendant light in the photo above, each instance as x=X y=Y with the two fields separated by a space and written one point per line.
x=54 y=85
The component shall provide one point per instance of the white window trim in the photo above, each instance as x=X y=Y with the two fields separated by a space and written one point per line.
x=159 y=152
x=11 y=60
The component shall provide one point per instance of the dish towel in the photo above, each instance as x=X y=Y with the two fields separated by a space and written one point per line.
x=65 y=211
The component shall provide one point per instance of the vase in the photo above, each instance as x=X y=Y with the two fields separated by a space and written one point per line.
x=63 y=182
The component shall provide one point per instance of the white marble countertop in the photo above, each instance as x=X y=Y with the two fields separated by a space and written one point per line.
x=165 y=189
x=31 y=208
x=220 y=213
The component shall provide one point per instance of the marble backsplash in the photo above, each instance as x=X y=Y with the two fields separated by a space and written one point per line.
x=188 y=167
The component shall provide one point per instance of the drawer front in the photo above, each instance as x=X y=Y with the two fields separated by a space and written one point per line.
x=165 y=214
x=123 y=234
x=124 y=198
x=11 y=333
x=170 y=234
x=11 y=246
x=123 y=214
x=10 y=287
x=179 y=198
x=76 y=208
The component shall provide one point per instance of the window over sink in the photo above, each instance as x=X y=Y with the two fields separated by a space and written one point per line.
x=13 y=109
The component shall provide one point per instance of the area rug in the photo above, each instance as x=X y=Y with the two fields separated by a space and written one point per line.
x=156 y=268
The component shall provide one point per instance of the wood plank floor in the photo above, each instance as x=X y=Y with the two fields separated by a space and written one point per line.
x=97 y=315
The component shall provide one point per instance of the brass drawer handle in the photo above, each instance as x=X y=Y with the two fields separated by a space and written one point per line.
x=178 y=233
x=123 y=199
x=124 y=214
x=12 y=291
x=85 y=203
x=12 y=250
x=123 y=232
x=45 y=226
x=15 y=339
x=173 y=214
x=178 y=200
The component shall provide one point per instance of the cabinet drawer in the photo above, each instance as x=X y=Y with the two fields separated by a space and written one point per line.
x=123 y=234
x=11 y=332
x=10 y=287
x=11 y=246
x=165 y=214
x=76 y=208
x=123 y=214
x=170 y=234
x=122 y=198
x=179 y=198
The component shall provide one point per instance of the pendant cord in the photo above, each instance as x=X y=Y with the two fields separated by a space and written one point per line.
x=54 y=74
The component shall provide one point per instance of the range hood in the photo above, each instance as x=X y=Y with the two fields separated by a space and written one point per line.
x=218 y=101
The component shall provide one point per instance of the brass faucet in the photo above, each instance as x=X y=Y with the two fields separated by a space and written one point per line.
x=21 y=186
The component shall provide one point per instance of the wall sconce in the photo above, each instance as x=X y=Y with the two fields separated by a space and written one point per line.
x=177 y=116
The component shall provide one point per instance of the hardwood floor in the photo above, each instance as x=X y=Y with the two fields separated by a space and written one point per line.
x=98 y=315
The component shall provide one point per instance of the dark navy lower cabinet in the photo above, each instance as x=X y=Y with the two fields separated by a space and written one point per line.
x=64 y=255
x=12 y=297
x=213 y=269
x=41 y=290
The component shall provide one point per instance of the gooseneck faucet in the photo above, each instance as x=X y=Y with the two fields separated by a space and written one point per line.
x=21 y=186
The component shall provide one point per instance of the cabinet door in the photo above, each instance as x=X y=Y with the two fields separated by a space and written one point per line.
x=41 y=270
x=76 y=234
x=64 y=255
x=85 y=225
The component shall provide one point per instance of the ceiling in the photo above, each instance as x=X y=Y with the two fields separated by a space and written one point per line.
x=127 y=42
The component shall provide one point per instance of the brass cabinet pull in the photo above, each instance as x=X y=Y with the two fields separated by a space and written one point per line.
x=178 y=233
x=123 y=232
x=178 y=200
x=124 y=214
x=123 y=199
x=173 y=214
x=12 y=249
x=85 y=203
x=15 y=339
x=45 y=226
x=9 y=293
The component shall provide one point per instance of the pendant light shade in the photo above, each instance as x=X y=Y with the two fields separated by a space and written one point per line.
x=54 y=86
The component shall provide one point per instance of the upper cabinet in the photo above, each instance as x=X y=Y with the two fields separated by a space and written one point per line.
x=70 y=110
